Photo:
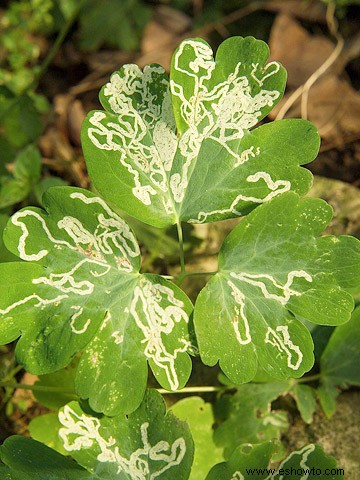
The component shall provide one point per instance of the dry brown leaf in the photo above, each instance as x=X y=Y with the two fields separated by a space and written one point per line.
x=75 y=117
x=24 y=395
x=313 y=10
x=333 y=105
x=161 y=36
x=299 y=52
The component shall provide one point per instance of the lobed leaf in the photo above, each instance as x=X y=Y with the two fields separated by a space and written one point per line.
x=81 y=291
x=274 y=272
x=252 y=462
x=26 y=173
x=249 y=417
x=200 y=419
x=146 y=444
x=305 y=397
x=149 y=443
x=182 y=150
x=64 y=383
x=45 y=428
x=27 y=459
x=339 y=363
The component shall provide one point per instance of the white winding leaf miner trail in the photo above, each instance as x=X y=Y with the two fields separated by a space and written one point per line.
x=221 y=114
x=156 y=321
x=93 y=265
x=112 y=236
x=279 y=338
x=306 y=469
x=82 y=432
x=237 y=476
x=144 y=133
x=276 y=188
x=140 y=152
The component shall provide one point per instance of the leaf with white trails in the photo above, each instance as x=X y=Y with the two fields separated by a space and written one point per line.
x=181 y=149
x=273 y=271
x=82 y=290
x=251 y=462
x=146 y=445
x=249 y=417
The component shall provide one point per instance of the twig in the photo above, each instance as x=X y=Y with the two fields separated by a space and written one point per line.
x=231 y=18
x=57 y=44
x=304 y=89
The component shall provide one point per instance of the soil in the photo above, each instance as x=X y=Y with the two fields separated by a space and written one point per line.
x=339 y=435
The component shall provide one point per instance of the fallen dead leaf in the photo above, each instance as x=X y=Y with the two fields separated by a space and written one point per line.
x=75 y=117
x=300 y=52
x=25 y=396
x=162 y=35
x=333 y=104
x=312 y=10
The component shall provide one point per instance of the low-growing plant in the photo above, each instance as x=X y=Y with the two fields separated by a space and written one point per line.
x=167 y=151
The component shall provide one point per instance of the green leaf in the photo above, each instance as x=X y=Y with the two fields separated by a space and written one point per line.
x=20 y=119
x=340 y=361
x=251 y=462
x=62 y=380
x=146 y=444
x=28 y=165
x=45 y=428
x=112 y=23
x=82 y=291
x=320 y=335
x=5 y=255
x=44 y=184
x=244 y=457
x=12 y=191
x=274 y=271
x=328 y=394
x=200 y=418
x=28 y=459
x=249 y=418
x=305 y=397
x=27 y=169
x=182 y=150
x=8 y=153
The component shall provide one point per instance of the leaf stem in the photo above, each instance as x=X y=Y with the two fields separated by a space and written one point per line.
x=57 y=44
x=309 y=378
x=197 y=274
x=44 y=388
x=37 y=388
x=206 y=389
x=181 y=250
